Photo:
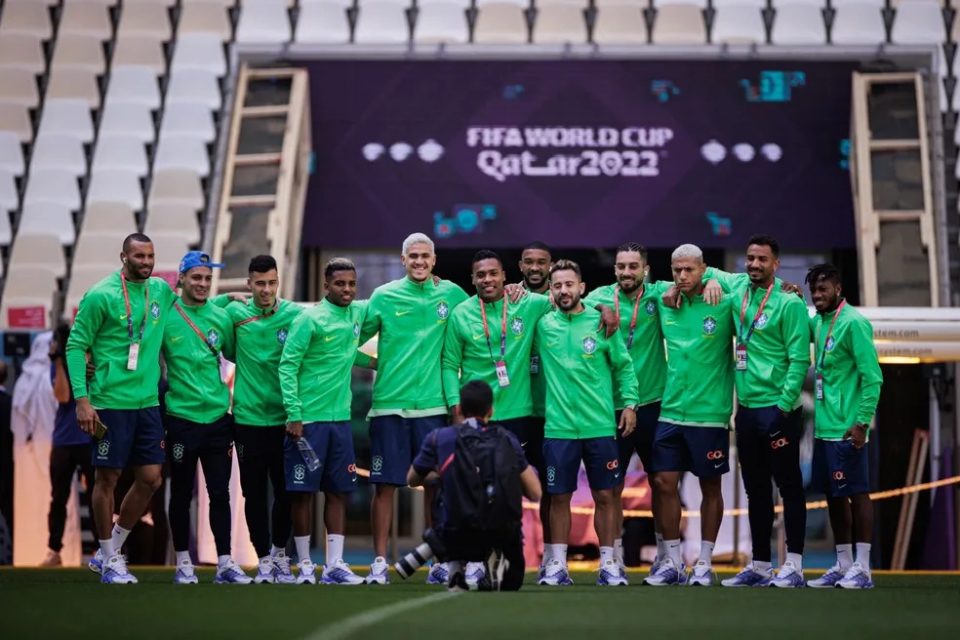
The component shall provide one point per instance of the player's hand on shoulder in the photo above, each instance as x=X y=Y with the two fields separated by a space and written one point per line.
x=515 y=292
x=671 y=297
x=608 y=320
x=712 y=293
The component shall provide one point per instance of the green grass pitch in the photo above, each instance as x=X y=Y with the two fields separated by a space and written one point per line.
x=70 y=604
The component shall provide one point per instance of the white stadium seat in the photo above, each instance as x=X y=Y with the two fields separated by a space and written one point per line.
x=116 y=185
x=194 y=86
x=64 y=153
x=128 y=119
x=120 y=152
x=799 y=23
x=381 y=23
x=738 y=24
x=263 y=22
x=48 y=217
x=182 y=152
x=52 y=185
x=200 y=51
x=323 y=23
x=11 y=153
x=679 y=24
x=858 y=24
x=442 y=22
x=500 y=23
x=194 y=120
x=176 y=186
x=66 y=117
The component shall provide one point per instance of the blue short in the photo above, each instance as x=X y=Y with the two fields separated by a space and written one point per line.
x=529 y=432
x=641 y=440
x=134 y=437
x=395 y=442
x=562 y=458
x=839 y=468
x=704 y=451
x=333 y=444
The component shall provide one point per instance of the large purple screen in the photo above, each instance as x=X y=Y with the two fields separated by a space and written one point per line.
x=579 y=153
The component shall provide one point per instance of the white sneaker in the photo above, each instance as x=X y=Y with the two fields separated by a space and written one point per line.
x=788 y=577
x=52 y=559
x=857 y=577
x=340 y=573
x=610 y=575
x=667 y=573
x=379 y=572
x=281 y=569
x=96 y=562
x=439 y=573
x=265 y=571
x=306 y=572
x=555 y=574
x=749 y=576
x=474 y=573
x=702 y=575
x=830 y=579
x=115 y=571
x=231 y=573
x=185 y=573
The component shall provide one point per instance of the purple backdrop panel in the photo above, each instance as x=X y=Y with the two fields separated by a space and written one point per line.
x=579 y=153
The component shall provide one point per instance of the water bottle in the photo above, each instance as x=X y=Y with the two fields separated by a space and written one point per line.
x=308 y=454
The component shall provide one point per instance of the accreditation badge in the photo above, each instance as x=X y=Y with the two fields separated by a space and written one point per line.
x=502 y=376
x=818 y=386
x=534 y=365
x=133 y=356
x=741 y=356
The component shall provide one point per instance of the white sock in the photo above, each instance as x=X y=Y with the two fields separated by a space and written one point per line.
x=673 y=551
x=106 y=548
x=183 y=557
x=119 y=536
x=863 y=555
x=606 y=555
x=796 y=559
x=661 y=546
x=276 y=551
x=560 y=553
x=548 y=552
x=706 y=553
x=223 y=561
x=762 y=566
x=844 y=556
x=303 y=547
x=618 y=550
x=334 y=549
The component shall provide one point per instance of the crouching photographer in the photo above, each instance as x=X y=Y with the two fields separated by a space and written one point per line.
x=482 y=475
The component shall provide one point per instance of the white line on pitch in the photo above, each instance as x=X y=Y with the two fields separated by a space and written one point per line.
x=356 y=622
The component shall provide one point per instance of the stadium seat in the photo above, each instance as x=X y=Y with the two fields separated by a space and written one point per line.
x=22 y=51
x=25 y=16
x=49 y=185
x=140 y=50
x=441 y=22
x=6 y=233
x=164 y=3
x=128 y=119
x=33 y=287
x=84 y=52
x=918 y=22
x=500 y=23
x=173 y=218
x=116 y=185
x=120 y=152
x=560 y=23
x=115 y=217
x=194 y=120
x=19 y=86
x=523 y=4
x=41 y=250
x=679 y=24
x=381 y=23
x=879 y=4
x=200 y=51
x=134 y=84
x=720 y=5
x=206 y=18
x=9 y=198
x=48 y=217
x=90 y=18
x=798 y=23
x=738 y=24
x=182 y=152
x=67 y=118
x=194 y=86
x=169 y=248
x=98 y=248
x=74 y=82
x=858 y=24
x=147 y=19
x=82 y=277
x=263 y=22
x=11 y=153
x=57 y=152
x=176 y=186
x=323 y=23
x=15 y=119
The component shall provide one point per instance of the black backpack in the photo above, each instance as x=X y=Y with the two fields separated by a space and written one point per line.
x=481 y=486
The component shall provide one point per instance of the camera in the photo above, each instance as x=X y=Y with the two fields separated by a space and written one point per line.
x=431 y=547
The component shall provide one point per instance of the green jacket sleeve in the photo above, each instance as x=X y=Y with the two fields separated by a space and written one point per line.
x=725 y=279
x=796 y=337
x=89 y=318
x=868 y=365
x=223 y=300
x=450 y=363
x=298 y=341
x=623 y=374
x=371 y=319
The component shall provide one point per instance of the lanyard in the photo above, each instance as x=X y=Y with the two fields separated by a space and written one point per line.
x=260 y=316
x=503 y=328
x=196 y=330
x=745 y=338
x=126 y=304
x=823 y=352
x=633 y=318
